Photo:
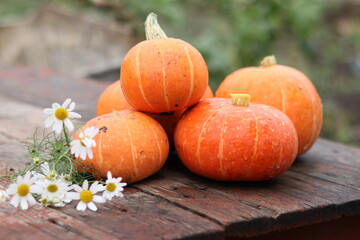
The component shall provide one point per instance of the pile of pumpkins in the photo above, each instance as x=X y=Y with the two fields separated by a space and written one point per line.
x=261 y=119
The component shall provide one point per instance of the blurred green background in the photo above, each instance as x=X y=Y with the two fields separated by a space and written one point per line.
x=320 y=38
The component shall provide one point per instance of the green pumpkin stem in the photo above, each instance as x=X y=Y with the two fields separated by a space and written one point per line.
x=239 y=99
x=268 y=61
x=152 y=28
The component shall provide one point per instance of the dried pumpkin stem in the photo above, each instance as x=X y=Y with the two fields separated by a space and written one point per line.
x=239 y=99
x=268 y=61
x=152 y=28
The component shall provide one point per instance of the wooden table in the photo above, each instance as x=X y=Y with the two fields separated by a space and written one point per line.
x=317 y=198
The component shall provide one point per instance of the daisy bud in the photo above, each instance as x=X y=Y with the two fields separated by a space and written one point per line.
x=36 y=160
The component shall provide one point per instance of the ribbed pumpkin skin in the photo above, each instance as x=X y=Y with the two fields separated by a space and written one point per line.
x=221 y=141
x=130 y=144
x=284 y=88
x=163 y=75
x=112 y=99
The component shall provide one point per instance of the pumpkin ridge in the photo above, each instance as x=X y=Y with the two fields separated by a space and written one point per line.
x=314 y=125
x=283 y=102
x=157 y=143
x=280 y=137
x=255 y=144
x=100 y=155
x=138 y=75
x=191 y=69
x=199 y=139
x=166 y=97
x=221 y=147
x=131 y=145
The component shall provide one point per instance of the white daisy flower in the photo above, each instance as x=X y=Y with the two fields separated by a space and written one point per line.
x=46 y=172
x=50 y=189
x=82 y=147
x=113 y=187
x=3 y=196
x=54 y=201
x=60 y=115
x=87 y=196
x=21 y=191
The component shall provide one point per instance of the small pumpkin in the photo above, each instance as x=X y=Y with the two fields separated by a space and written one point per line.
x=112 y=99
x=130 y=144
x=285 y=88
x=163 y=74
x=232 y=140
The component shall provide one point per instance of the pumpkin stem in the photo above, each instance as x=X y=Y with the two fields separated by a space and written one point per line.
x=152 y=28
x=239 y=99
x=268 y=61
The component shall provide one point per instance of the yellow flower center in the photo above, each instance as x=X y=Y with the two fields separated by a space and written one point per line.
x=110 y=187
x=82 y=143
x=23 y=190
x=86 y=196
x=61 y=113
x=52 y=188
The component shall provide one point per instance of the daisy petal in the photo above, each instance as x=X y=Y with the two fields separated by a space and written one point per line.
x=69 y=124
x=15 y=201
x=74 y=115
x=71 y=107
x=90 y=154
x=109 y=175
x=31 y=199
x=58 y=126
x=11 y=190
x=99 y=199
x=81 y=206
x=48 y=111
x=92 y=206
x=73 y=195
x=23 y=204
x=66 y=103
x=36 y=189
x=49 y=121
x=56 y=106
x=77 y=188
x=83 y=154
x=85 y=185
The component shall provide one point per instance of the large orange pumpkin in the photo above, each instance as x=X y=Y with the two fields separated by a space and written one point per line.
x=235 y=141
x=163 y=74
x=284 y=88
x=130 y=144
x=112 y=99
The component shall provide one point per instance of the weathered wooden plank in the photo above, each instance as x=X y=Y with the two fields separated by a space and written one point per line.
x=11 y=228
x=42 y=87
x=247 y=209
x=339 y=229
x=334 y=162
x=142 y=216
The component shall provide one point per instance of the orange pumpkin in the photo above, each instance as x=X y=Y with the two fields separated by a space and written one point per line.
x=130 y=144
x=163 y=74
x=235 y=141
x=112 y=99
x=284 y=88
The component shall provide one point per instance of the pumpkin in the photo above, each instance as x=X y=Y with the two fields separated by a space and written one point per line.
x=112 y=99
x=232 y=140
x=169 y=120
x=129 y=143
x=163 y=74
x=284 y=88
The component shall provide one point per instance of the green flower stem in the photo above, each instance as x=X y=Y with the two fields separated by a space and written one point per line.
x=66 y=135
